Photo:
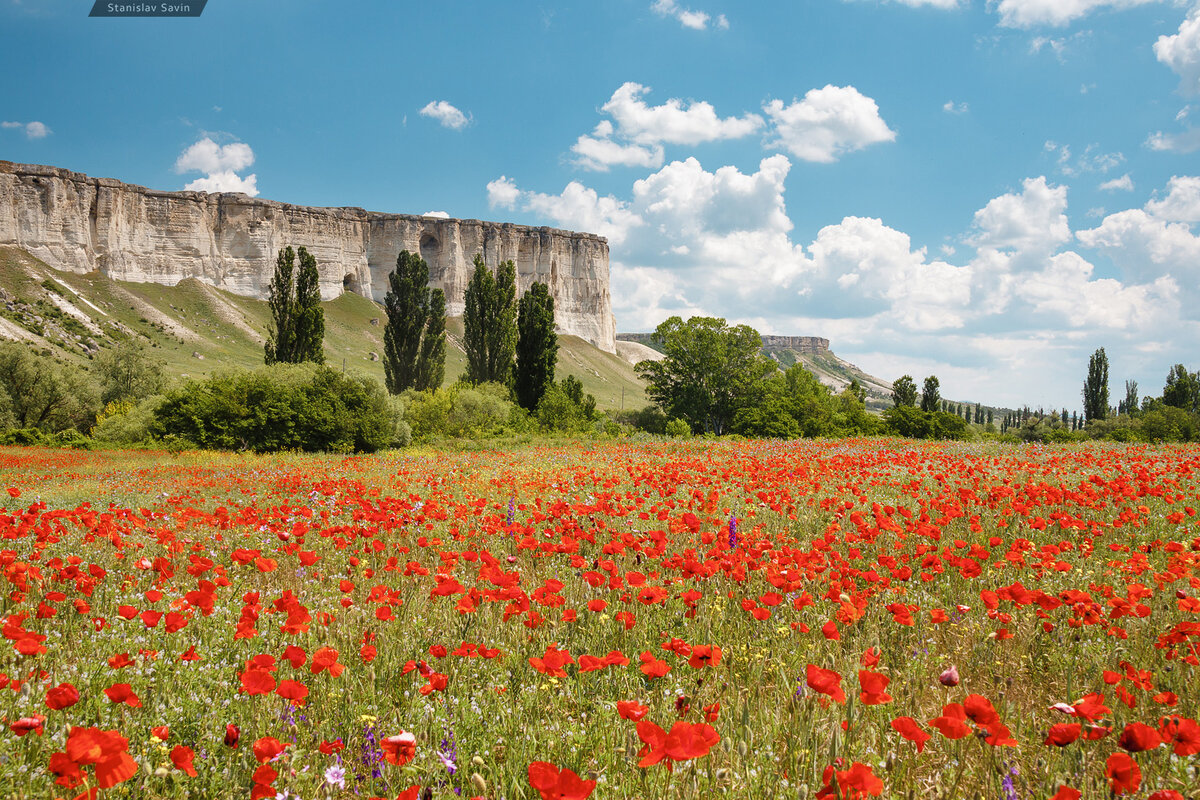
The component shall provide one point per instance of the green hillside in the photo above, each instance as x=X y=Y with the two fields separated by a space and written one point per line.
x=197 y=329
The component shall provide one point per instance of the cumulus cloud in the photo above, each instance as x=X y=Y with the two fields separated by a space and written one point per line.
x=1182 y=202
x=33 y=130
x=1187 y=141
x=640 y=130
x=1144 y=244
x=696 y=20
x=1033 y=13
x=1033 y=221
x=1181 y=52
x=446 y=115
x=826 y=124
x=437 y=214
x=220 y=163
x=1065 y=289
x=1121 y=184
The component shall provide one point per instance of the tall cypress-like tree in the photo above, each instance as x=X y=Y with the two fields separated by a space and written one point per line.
x=407 y=307
x=310 y=317
x=930 y=396
x=904 y=391
x=282 y=302
x=502 y=337
x=1095 y=388
x=431 y=363
x=477 y=318
x=537 y=346
x=490 y=322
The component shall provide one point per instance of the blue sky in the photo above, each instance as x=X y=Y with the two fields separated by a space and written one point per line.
x=986 y=191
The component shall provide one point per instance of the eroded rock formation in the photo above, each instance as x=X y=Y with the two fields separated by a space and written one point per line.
x=77 y=223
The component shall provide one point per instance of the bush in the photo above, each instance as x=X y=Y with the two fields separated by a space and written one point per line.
x=462 y=411
x=678 y=429
x=282 y=407
x=124 y=424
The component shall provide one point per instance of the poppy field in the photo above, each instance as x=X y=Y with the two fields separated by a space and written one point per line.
x=841 y=619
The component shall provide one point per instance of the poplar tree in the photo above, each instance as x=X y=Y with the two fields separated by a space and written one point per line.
x=431 y=363
x=490 y=322
x=407 y=308
x=930 y=396
x=537 y=346
x=298 y=330
x=1095 y=388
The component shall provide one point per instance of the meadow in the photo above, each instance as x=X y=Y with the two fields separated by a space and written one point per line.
x=808 y=619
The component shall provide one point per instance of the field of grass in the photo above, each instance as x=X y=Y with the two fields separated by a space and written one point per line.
x=842 y=619
x=198 y=330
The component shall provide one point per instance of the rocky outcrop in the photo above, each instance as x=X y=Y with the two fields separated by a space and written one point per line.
x=808 y=345
x=76 y=223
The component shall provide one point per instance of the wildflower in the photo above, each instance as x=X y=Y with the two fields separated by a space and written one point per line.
x=336 y=776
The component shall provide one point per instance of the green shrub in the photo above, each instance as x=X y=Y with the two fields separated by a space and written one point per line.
x=282 y=407
x=462 y=411
x=678 y=429
x=124 y=424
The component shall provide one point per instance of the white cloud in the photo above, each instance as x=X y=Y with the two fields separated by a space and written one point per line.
x=1033 y=221
x=1186 y=141
x=437 y=214
x=220 y=163
x=641 y=130
x=1033 y=13
x=1065 y=289
x=208 y=156
x=945 y=5
x=33 y=130
x=1092 y=159
x=446 y=115
x=674 y=122
x=951 y=107
x=1121 y=184
x=1181 y=52
x=225 y=181
x=1182 y=203
x=1144 y=244
x=503 y=193
x=827 y=123
x=695 y=20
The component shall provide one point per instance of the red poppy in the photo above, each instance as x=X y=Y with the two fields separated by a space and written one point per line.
x=555 y=784
x=267 y=748
x=1066 y=793
x=1124 y=776
x=232 y=734
x=654 y=743
x=182 y=757
x=1138 y=737
x=631 y=710
x=911 y=730
x=62 y=696
x=106 y=750
x=326 y=658
x=399 y=749
x=257 y=681
x=292 y=690
x=1063 y=733
x=857 y=782
x=25 y=725
x=874 y=688
x=953 y=722
x=1166 y=794
x=552 y=661
x=123 y=693
x=704 y=655
x=161 y=732
x=825 y=681
x=687 y=740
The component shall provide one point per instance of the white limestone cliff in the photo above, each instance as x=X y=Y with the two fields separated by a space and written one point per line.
x=77 y=223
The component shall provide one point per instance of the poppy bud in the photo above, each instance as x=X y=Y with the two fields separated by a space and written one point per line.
x=1180 y=594
x=478 y=783
x=949 y=677
x=232 y=734
x=476 y=761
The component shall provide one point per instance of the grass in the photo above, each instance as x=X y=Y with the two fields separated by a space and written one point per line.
x=1043 y=574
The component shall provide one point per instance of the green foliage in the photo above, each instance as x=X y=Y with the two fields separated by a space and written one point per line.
x=490 y=322
x=35 y=437
x=904 y=392
x=930 y=396
x=1182 y=389
x=1095 y=388
x=913 y=423
x=710 y=372
x=431 y=363
x=537 y=346
x=678 y=429
x=127 y=373
x=44 y=394
x=298 y=330
x=463 y=411
x=124 y=423
x=278 y=408
x=408 y=311
x=564 y=408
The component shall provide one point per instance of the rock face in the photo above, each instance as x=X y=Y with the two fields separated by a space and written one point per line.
x=76 y=223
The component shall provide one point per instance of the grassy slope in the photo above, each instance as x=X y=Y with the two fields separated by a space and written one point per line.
x=178 y=322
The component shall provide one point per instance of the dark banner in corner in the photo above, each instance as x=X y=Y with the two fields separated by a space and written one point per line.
x=174 y=8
